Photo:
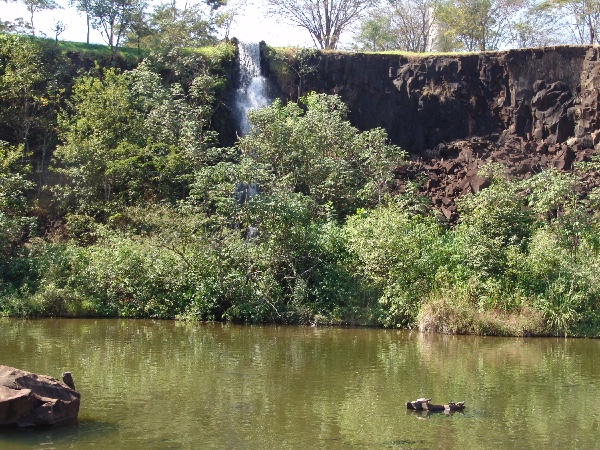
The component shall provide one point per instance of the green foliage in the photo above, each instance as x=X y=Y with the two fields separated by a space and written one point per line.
x=406 y=25
x=30 y=73
x=128 y=136
x=299 y=223
x=318 y=153
x=493 y=223
x=476 y=25
x=112 y=18
x=15 y=225
x=376 y=33
x=170 y=27
x=581 y=17
x=102 y=127
x=399 y=252
x=324 y=21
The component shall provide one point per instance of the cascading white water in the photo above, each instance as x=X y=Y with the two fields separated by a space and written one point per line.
x=253 y=90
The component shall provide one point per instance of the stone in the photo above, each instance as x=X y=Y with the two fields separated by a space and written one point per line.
x=424 y=404
x=28 y=399
x=448 y=212
x=478 y=183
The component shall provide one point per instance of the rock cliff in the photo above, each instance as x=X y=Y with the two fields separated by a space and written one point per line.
x=529 y=109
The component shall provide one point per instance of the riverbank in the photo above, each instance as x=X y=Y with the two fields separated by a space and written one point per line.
x=118 y=201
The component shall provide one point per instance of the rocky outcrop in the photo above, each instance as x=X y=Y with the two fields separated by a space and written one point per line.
x=528 y=109
x=548 y=94
x=28 y=400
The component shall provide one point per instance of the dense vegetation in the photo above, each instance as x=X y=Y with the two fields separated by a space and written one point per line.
x=116 y=200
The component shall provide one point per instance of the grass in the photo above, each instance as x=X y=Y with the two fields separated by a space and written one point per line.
x=218 y=52
x=458 y=315
x=414 y=55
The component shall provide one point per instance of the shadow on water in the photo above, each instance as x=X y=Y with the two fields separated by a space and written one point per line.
x=83 y=430
x=429 y=414
x=404 y=443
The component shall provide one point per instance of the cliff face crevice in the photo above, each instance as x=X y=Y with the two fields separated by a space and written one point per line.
x=528 y=109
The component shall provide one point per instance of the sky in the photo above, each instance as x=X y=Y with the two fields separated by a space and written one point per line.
x=253 y=25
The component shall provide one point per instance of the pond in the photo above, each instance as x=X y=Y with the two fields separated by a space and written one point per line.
x=170 y=385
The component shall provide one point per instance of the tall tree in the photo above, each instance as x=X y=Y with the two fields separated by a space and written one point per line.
x=581 y=16
x=375 y=33
x=113 y=17
x=325 y=20
x=34 y=6
x=227 y=16
x=168 y=26
x=84 y=6
x=538 y=26
x=406 y=25
x=476 y=25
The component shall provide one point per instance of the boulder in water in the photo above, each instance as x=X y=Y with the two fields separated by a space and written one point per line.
x=28 y=400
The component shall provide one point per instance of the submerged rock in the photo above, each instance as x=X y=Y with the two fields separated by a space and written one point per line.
x=423 y=404
x=28 y=400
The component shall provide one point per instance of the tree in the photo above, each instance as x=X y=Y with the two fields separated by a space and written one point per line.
x=59 y=28
x=583 y=18
x=18 y=26
x=168 y=26
x=536 y=26
x=318 y=153
x=406 y=25
x=476 y=25
x=15 y=225
x=375 y=33
x=100 y=130
x=113 y=17
x=128 y=136
x=397 y=252
x=227 y=17
x=325 y=20
x=495 y=223
x=139 y=28
x=84 y=6
x=23 y=92
x=34 y=6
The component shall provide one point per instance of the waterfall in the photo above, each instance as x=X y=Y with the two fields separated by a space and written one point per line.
x=253 y=87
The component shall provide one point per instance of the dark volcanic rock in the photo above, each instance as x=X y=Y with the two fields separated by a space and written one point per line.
x=528 y=109
x=547 y=94
x=27 y=399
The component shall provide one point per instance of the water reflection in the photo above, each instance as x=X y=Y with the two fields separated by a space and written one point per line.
x=149 y=384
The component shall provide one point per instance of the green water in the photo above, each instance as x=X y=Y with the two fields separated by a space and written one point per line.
x=162 y=385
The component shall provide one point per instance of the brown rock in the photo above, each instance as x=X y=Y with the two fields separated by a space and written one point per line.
x=448 y=212
x=478 y=183
x=450 y=166
x=449 y=191
x=465 y=156
x=431 y=184
x=27 y=399
x=564 y=160
x=464 y=186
